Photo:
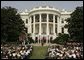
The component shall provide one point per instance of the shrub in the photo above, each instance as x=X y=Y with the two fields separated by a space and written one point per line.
x=61 y=39
x=30 y=40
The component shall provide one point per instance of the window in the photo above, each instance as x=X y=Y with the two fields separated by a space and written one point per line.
x=32 y=28
x=36 y=28
x=50 y=17
x=55 y=19
x=26 y=20
x=43 y=17
x=50 y=28
x=37 y=18
x=55 y=28
x=43 y=28
x=62 y=30
x=32 y=19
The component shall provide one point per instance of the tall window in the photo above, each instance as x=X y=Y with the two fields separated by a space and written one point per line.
x=55 y=19
x=50 y=28
x=43 y=28
x=32 y=28
x=62 y=30
x=55 y=28
x=43 y=17
x=26 y=20
x=32 y=19
x=50 y=17
x=37 y=18
x=36 y=28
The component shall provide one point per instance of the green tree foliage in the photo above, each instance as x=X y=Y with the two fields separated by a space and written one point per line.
x=61 y=39
x=75 y=24
x=11 y=24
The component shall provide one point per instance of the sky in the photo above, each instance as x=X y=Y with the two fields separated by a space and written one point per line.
x=22 y=5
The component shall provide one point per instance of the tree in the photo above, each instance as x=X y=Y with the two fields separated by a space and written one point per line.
x=11 y=24
x=61 y=39
x=75 y=24
x=22 y=37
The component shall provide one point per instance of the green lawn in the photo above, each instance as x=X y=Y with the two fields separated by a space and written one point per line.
x=39 y=52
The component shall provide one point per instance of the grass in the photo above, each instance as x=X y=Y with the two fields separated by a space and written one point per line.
x=39 y=52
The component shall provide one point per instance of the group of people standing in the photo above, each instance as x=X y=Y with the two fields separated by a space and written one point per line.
x=15 y=52
x=62 y=52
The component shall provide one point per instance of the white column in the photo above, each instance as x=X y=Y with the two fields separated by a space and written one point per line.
x=34 y=26
x=47 y=31
x=40 y=27
x=47 y=25
x=29 y=24
x=58 y=25
x=54 y=24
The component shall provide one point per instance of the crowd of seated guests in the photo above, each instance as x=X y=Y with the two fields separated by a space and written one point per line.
x=62 y=52
x=15 y=52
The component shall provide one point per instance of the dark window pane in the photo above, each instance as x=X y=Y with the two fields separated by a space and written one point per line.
x=37 y=18
x=32 y=19
x=43 y=17
x=32 y=28
x=55 y=19
x=50 y=17
x=55 y=28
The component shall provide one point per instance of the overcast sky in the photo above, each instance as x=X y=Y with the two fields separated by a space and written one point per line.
x=22 y=5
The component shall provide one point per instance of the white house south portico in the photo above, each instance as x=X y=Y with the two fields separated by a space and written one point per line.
x=45 y=22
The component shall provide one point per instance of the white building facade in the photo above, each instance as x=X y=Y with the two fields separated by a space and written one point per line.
x=45 y=22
